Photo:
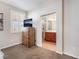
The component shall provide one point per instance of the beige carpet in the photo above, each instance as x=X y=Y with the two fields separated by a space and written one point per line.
x=21 y=52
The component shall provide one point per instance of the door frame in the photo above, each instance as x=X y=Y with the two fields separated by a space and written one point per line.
x=59 y=49
x=56 y=26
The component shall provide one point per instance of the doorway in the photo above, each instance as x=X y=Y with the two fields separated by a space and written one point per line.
x=49 y=31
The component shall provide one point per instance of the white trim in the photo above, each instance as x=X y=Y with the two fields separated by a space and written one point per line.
x=38 y=45
x=71 y=55
x=11 y=45
x=59 y=52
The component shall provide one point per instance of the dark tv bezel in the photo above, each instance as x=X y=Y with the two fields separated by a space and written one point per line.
x=28 y=23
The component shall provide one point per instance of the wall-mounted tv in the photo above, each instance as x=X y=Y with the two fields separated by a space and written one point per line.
x=28 y=23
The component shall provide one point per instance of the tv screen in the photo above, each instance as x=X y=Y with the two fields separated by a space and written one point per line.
x=28 y=23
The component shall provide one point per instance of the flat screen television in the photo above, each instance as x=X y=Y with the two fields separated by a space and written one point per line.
x=28 y=23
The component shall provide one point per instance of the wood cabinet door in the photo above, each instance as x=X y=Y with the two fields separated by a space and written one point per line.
x=25 y=38
x=31 y=36
x=50 y=36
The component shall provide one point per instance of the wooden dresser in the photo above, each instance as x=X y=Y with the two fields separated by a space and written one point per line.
x=28 y=37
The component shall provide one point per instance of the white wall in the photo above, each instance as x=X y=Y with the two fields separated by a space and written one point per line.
x=8 y=39
x=71 y=27
x=55 y=6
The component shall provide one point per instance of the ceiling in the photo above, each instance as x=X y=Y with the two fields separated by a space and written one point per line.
x=28 y=5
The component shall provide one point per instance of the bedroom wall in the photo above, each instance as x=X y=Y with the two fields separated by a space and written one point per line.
x=55 y=6
x=7 y=38
x=71 y=28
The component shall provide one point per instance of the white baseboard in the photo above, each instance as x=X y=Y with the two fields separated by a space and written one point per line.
x=11 y=45
x=71 y=55
x=59 y=52
x=38 y=45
